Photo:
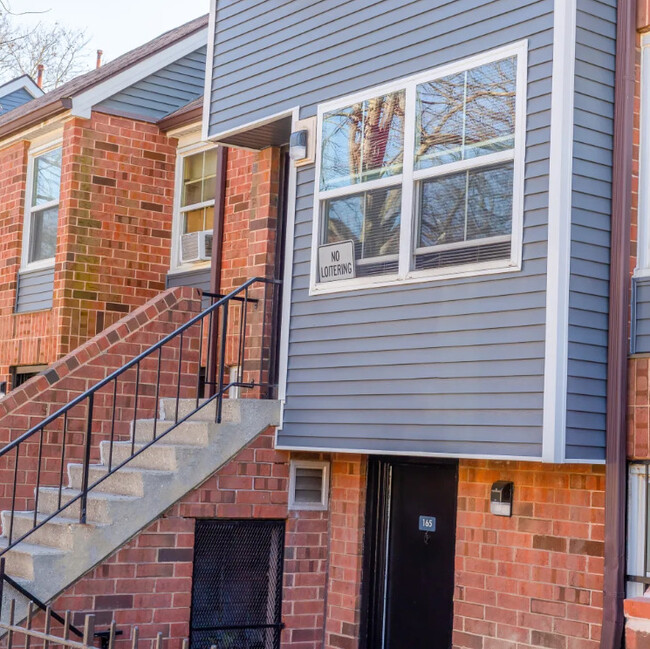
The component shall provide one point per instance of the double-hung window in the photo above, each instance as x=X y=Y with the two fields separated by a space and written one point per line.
x=196 y=185
x=42 y=213
x=423 y=177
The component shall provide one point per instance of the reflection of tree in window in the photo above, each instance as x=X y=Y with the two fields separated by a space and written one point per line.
x=466 y=115
x=362 y=143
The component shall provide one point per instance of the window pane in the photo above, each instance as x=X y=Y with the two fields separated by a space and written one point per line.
x=194 y=220
x=466 y=115
x=466 y=206
x=47 y=177
x=363 y=142
x=43 y=234
x=199 y=171
x=372 y=221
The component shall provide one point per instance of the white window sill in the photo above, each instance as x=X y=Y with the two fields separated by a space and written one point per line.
x=189 y=267
x=416 y=277
x=641 y=273
x=45 y=264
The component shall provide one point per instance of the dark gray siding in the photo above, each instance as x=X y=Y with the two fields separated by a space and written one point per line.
x=197 y=278
x=14 y=99
x=589 y=282
x=442 y=367
x=163 y=92
x=35 y=290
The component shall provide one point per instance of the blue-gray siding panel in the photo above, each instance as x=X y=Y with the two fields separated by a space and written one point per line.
x=453 y=367
x=13 y=100
x=163 y=92
x=35 y=289
x=589 y=281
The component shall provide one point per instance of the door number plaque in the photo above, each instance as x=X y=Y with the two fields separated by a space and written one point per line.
x=427 y=524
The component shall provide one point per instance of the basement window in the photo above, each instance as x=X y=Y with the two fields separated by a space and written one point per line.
x=423 y=177
x=308 y=484
x=20 y=375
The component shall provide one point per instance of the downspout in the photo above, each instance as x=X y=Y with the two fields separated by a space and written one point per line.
x=619 y=307
x=217 y=255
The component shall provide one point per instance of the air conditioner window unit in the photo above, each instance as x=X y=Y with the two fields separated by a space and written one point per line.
x=196 y=246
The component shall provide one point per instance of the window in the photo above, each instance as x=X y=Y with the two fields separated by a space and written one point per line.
x=643 y=248
x=308 y=484
x=423 y=177
x=42 y=213
x=20 y=375
x=196 y=185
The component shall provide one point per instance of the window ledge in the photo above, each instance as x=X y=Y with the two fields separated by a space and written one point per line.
x=188 y=268
x=415 y=277
x=46 y=264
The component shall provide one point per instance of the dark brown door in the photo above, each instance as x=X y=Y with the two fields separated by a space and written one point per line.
x=411 y=547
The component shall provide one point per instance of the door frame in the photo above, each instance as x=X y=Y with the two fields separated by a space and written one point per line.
x=377 y=519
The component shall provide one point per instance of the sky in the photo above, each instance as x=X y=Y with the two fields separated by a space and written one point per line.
x=114 y=26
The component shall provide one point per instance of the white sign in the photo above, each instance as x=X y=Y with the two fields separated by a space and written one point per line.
x=336 y=261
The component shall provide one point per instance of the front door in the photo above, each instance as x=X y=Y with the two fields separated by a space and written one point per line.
x=410 y=554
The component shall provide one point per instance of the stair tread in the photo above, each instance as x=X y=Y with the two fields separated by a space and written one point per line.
x=104 y=468
x=31 y=548
x=94 y=495
x=56 y=520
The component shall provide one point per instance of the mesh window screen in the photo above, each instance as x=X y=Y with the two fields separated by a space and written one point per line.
x=237 y=584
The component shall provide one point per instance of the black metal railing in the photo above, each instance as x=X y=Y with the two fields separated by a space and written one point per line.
x=236 y=330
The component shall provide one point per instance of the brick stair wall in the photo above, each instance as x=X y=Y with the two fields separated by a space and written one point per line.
x=79 y=370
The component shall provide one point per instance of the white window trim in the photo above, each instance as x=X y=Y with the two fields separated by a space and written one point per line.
x=405 y=275
x=176 y=265
x=643 y=231
x=636 y=503
x=309 y=464
x=34 y=152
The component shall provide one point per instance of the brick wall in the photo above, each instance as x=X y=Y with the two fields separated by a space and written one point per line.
x=43 y=395
x=148 y=582
x=114 y=238
x=25 y=338
x=117 y=190
x=637 y=623
x=535 y=579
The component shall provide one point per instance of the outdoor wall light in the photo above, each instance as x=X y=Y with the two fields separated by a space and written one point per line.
x=501 y=498
x=298 y=145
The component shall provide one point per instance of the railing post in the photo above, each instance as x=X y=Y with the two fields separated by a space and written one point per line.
x=86 y=464
x=222 y=357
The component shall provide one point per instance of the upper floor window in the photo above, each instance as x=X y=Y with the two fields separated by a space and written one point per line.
x=42 y=212
x=195 y=205
x=423 y=177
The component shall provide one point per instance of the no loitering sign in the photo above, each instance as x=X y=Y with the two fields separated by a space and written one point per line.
x=336 y=261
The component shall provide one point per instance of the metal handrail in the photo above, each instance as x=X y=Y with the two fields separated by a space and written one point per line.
x=215 y=337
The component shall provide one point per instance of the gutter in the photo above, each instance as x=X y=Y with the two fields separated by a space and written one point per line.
x=35 y=117
x=178 y=119
x=619 y=308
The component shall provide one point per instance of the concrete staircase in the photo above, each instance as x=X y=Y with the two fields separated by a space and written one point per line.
x=63 y=550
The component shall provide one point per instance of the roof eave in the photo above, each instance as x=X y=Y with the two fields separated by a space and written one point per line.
x=35 y=117
x=174 y=120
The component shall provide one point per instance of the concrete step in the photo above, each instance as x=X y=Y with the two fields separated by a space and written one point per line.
x=160 y=456
x=230 y=410
x=26 y=560
x=59 y=532
x=189 y=433
x=126 y=482
x=100 y=507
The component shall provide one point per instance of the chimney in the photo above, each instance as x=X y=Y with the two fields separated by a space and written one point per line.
x=100 y=53
x=39 y=79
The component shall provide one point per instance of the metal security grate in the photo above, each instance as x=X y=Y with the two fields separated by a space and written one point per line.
x=237 y=584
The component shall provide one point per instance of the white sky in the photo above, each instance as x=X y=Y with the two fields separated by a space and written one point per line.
x=115 y=26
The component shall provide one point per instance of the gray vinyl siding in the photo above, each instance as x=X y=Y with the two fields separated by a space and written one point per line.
x=35 y=290
x=13 y=100
x=199 y=278
x=451 y=367
x=162 y=92
x=589 y=281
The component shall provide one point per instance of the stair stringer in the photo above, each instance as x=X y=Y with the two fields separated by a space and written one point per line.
x=83 y=547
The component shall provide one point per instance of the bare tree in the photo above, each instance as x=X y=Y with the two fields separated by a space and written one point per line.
x=62 y=51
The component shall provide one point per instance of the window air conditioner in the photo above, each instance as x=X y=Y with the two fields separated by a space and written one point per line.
x=196 y=246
